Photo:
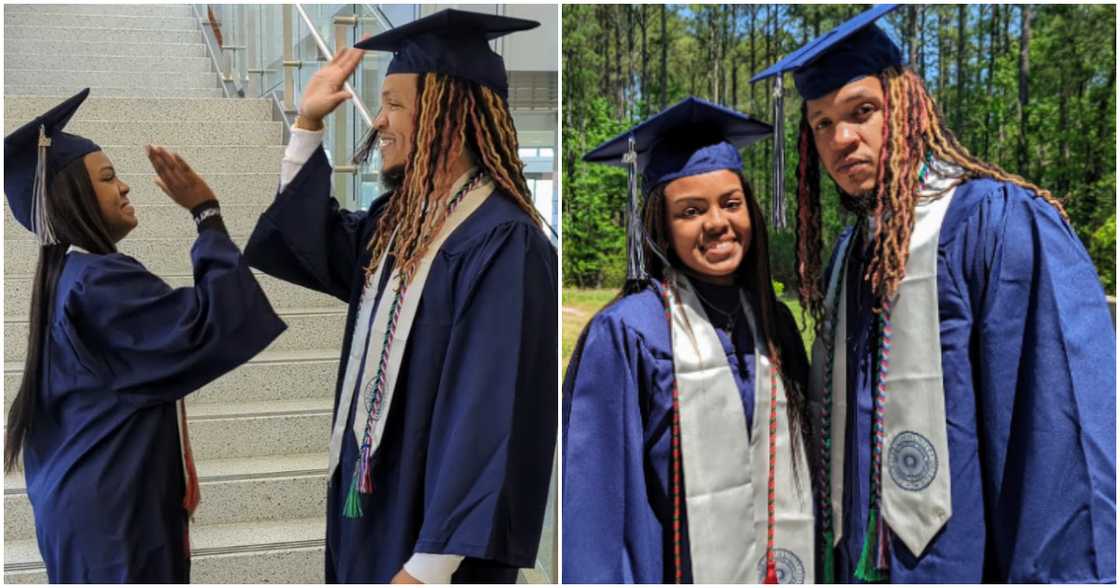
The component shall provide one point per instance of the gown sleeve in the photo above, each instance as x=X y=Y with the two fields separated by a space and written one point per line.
x=305 y=237
x=611 y=532
x=158 y=343
x=1044 y=365
x=493 y=429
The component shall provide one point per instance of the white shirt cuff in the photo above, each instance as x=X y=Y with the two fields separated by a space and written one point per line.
x=301 y=146
x=433 y=568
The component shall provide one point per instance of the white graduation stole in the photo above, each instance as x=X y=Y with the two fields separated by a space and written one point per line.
x=369 y=337
x=916 y=499
x=725 y=472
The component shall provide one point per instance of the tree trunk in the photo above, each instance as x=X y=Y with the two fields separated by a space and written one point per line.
x=734 y=52
x=643 y=22
x=754 y=68
x=912 y=35
x=962 y=79
x=942 y=64
x=664 y=58
x=619 y=92
x=922 y=43
x=632 y=71
x=993 y=28
x=716 y=51
x=1025 y=15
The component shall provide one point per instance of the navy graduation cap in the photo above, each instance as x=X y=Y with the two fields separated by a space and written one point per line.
x=850 y=51
x=690 y=138
x=452 y=42
x=855 y=49
x=32 y=154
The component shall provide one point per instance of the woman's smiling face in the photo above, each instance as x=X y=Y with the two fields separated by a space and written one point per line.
x=708 y=222
x=112 y=195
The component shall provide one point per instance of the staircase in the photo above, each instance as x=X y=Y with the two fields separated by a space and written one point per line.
x=260 y=433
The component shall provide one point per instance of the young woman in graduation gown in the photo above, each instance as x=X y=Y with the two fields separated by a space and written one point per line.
x=112 y=351
x=676 y=437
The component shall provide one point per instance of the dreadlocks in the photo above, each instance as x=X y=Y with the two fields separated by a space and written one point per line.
x=453 y=115
x=913 y=127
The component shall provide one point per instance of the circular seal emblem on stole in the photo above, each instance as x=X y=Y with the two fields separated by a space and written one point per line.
x=788 y=566
x=912 y=460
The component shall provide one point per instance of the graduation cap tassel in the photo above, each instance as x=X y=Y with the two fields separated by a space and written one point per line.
x=39 y=221
x=636 y=263
x=778 y=202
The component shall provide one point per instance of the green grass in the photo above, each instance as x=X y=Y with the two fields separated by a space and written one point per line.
x=579 y=305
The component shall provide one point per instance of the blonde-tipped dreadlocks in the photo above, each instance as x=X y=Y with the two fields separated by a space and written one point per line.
x=912 y=126
x=453 y=115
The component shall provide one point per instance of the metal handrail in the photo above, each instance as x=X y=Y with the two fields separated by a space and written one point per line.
x=229 y=86
x=327 y=53
x=380 y=14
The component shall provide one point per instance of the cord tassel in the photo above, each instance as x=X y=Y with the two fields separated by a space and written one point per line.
x=883 y=556
x=353 y=507
x=828 y=563
x=866 y=569
x=771 y=571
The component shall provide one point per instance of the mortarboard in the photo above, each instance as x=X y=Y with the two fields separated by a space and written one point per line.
x=32 y=154
x=689 y=138
x=852 y=50
x=451 y=42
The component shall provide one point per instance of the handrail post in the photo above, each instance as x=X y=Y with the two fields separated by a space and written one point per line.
x=344 y=130
x=290 y=64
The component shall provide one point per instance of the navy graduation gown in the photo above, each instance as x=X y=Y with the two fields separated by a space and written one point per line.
x=467 y=452
x=617 y=407
x=102 y=457
x=1028 y=355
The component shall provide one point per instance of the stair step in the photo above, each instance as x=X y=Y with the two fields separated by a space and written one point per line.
x=282 y=295
x=98 y=78
x=164 y=220
x=205 y=159
x=270 y=551
x=315 y=329
x=139 y=132
x=160 y=256
x=131 y=92
x=105 y=47
x=163 y=110
x=51 y=17
x=252 y=429
x=271 y=376
x=83 y=61
x=84 y=34
x=175 y=10
x=238 y=490
x=231 y=188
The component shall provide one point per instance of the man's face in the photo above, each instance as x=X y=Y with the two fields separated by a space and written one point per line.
x=847 y=128
x=396 y=121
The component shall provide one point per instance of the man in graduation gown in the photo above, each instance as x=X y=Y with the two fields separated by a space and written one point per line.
x=445 y=412
x=963 y=377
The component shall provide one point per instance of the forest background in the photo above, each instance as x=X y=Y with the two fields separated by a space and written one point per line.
x=1031 y=88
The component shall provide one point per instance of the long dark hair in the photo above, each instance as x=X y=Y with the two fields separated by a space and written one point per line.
x=71 y=205
x=776 y=322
